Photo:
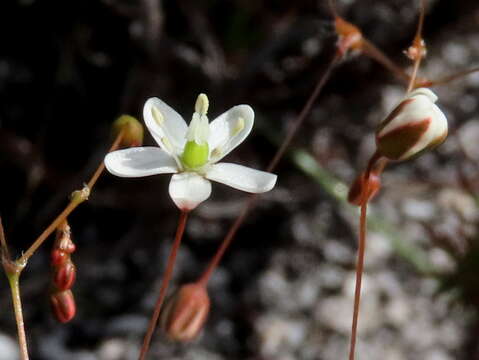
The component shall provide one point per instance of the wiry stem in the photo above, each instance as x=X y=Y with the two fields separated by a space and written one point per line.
x=14 y=282
x=5 y=253
x=77 y=198
x=164 y=284
x=418 y=45
x=279 y=154
x=359 y=272
x=13 y=269
x=447 y=79
x=376 y=164
x=376 y=54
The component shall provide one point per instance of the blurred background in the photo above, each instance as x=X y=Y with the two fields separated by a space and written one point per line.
x=285 y=288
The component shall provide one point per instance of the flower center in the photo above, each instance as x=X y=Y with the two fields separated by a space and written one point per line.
x=196 y=151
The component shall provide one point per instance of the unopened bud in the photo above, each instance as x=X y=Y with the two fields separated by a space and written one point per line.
x=64 y=276
x=132 y=130
x=356 y=194
x=63 y=305
x=185 y=313
x=415 y=125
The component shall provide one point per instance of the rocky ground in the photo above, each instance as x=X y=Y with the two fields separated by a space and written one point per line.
x=285 y=288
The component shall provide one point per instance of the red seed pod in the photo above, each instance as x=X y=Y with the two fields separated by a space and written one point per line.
x=356 y=191
x=185 y=313
x=58 y=257
x=63 y=305
x=64 y=276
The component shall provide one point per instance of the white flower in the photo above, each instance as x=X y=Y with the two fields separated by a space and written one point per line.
x=191 y=153
x=415 y=125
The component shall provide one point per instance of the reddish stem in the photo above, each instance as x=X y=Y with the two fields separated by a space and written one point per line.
x=272 y=165
x=376 y=164
x=164 y=284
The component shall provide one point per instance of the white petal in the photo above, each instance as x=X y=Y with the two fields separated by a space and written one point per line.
x=227 y=131
x=242 y=177
x=140 y=161
x=188 y=190
x=173 y=128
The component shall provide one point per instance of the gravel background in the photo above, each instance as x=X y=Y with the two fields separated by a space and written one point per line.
x=285 y=288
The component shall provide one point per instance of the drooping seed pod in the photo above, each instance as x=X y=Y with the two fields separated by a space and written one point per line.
x=63 y=305
x=415 y=125
x=185 y=313
x=64 y=275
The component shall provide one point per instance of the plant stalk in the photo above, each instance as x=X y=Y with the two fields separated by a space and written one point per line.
x=164 y=284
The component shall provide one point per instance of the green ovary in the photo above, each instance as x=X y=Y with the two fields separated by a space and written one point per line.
x=195 y=155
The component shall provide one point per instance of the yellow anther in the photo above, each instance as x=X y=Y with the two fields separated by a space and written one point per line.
x=202 y=104
x=167 y=143
x=216 y=153
x=238 y=127
x=157 y=115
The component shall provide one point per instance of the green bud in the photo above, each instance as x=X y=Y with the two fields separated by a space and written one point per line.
x=132 y=130
x=195 y=155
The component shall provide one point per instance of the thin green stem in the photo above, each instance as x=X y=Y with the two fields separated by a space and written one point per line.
x=13 y=272
x=164 y=284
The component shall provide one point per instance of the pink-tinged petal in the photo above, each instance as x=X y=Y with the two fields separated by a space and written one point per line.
x=188 y=190
x=229 y=130
x=139 y=162
x=241 y=177
x=165 y=125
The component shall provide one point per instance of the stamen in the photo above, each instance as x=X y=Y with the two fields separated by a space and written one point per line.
x=202 y=104
x=167 y=143
x=157 y=115
x=238 y=127
x=216 y=153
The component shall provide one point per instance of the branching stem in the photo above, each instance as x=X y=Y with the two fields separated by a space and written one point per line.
x=13 y=269
x=77 y=198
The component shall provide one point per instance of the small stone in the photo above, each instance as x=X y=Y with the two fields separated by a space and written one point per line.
x=418 y=209
x=8 y=348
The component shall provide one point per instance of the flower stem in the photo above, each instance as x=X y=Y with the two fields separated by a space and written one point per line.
x=13 y=272
x=376 y=163
x=203 y=280
x=227 y=240
x=304 y=112
x=418 y=43
x=4 y=252
x=376 y=54
x=447 y=79
x=77 y=198
x=359 y=274
x=164 y=284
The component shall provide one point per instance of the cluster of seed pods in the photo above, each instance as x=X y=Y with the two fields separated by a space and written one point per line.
x=63 y=275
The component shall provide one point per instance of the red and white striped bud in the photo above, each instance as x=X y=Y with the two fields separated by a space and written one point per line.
x=185 y=313
x=415 y=125
x=63 y=305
